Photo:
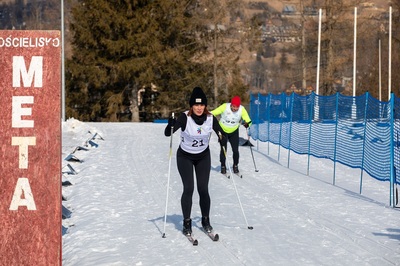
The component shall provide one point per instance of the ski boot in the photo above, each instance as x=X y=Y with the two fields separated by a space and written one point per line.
x=187 y=226
x=235 y=168
x=205 y=222
x=223 y=169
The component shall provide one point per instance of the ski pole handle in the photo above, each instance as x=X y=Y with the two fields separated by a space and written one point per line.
x=171 y=122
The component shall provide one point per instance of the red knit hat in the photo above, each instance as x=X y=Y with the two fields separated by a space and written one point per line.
x=235 y=101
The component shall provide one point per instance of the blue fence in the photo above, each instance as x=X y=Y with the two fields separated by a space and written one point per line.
x=360 y=132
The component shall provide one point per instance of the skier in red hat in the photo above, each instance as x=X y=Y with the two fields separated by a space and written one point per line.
x=232 y=115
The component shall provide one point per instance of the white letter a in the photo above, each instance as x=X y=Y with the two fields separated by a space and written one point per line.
x=23 y=188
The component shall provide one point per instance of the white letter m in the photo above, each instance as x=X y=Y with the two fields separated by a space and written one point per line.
x=35 y=70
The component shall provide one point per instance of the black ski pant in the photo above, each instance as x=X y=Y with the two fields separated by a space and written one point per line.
x=233 y=139
x=202 y=166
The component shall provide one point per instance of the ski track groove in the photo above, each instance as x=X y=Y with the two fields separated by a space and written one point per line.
x=347 y=235
x=142 y=167
x=214 y=253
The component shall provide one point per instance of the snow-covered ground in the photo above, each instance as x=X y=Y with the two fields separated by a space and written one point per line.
x=118 y=198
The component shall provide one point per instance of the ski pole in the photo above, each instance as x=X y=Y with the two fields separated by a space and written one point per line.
x=251 y=150
x=234 y=184
x=169 y=175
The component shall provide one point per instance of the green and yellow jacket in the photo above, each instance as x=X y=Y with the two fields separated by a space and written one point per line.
x=230 y=121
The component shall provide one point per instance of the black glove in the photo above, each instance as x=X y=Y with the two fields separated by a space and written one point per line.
x=246 y=124
x=171 y=122
x=222 y=140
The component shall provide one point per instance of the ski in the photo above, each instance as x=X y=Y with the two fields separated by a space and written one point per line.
x=227 y=176
x=192 y=240
x=212 y=236
x=239 y=174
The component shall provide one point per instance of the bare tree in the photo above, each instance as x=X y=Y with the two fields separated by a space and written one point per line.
x=225 y=31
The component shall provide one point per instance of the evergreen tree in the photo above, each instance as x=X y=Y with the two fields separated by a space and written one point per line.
x=123 y=47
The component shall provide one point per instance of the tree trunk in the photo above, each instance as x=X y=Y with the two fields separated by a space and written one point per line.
x=134 y=107
x=215 y=65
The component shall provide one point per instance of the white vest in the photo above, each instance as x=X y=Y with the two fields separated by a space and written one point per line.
x=229 y=118
x=195 y=138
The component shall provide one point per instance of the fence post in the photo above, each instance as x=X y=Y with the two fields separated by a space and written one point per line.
x=336 y=133
x=268 y=119
x=365 y=137
x=392 y=181
x=313 y=96
x=283 y=100
x=290 y=126
x=258 y=118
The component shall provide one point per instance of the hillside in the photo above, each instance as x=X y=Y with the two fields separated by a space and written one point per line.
x=280 y=27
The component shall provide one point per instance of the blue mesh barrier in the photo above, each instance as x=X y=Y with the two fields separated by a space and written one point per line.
x=359 y=132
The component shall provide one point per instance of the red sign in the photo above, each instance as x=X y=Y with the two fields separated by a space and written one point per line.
x=30 y=143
